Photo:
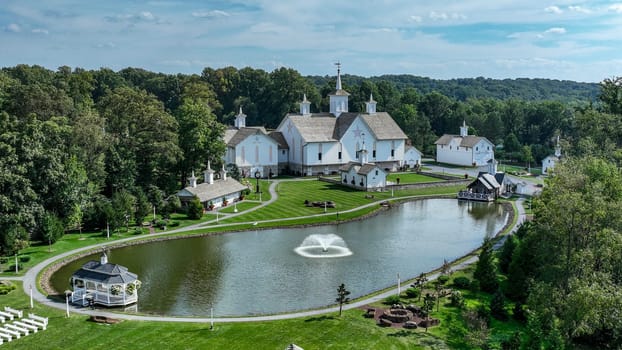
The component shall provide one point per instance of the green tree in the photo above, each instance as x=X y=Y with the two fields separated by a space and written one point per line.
x=142 y=209
x=342 y=296
x=485 y=269
x=497 y=306
x=195 y=209
x=123 y=204
x=52 y=228
x=505 y=255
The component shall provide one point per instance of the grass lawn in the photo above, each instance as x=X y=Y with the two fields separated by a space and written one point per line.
x=411 y=178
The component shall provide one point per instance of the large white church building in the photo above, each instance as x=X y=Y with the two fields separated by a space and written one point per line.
x=321 y=143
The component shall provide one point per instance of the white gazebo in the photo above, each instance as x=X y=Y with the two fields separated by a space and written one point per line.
x=103 y=283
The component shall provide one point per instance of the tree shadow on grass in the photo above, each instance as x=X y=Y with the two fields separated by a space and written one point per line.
x=401 y=333
x=320 y=318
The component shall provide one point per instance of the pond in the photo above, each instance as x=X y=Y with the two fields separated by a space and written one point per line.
x=258 y=272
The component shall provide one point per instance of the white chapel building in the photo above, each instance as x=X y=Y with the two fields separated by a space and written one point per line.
x=321 y=143
x=549 y=162
x=464 y=149
x=253 y=149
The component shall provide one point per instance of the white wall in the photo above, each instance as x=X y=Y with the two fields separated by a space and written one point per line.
x=257 y=150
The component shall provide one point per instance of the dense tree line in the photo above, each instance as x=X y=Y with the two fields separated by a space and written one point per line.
x=97 y=148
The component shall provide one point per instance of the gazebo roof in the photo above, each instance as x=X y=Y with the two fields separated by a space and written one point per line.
x=105 y=273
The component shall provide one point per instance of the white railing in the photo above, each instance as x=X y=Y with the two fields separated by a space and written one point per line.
x=475 y=196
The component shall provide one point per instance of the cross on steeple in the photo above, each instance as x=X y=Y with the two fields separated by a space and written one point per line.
x=338 y=87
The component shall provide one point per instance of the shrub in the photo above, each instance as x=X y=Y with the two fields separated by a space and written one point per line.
x=413 y=292
x=462 y=282
x=497 y=306
x=6 y=287
x=138 y=231
x=443 y=279
x=195 y=209
x=392 y=299
x=457 y=299
x=173 y=223
x=4 y=260
x=24 y=258
x=161 y=224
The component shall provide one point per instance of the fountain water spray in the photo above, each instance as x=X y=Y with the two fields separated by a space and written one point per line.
x=323 y=246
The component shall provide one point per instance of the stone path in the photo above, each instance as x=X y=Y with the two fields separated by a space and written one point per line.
x=29 y=279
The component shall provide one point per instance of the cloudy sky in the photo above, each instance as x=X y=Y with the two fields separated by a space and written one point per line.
x=573 y=40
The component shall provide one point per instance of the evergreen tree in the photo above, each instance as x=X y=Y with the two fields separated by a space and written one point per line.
x=195 y=209
x=497 y=306
x=505 y=255
x=486 y=271
x=342 y=296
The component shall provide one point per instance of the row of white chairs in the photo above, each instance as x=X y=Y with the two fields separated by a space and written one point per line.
x=20 y=325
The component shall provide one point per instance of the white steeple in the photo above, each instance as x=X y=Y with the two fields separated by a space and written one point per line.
x=370 y=106
x=464 y=129
x=338 y=98
x=305 y=106
x=558 y=148
x=103 y=259
x=192 y=180
x=240 y=119
x=208 y=174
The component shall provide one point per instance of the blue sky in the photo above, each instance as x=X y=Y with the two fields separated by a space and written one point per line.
x=567 y=40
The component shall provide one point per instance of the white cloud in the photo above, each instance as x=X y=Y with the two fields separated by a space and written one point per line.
x=40 y=31
x=13 y=27
x=143 y=16
x=416 y=19
x=579 y=9
x=553 y=9
x=555 y=30
x=108 y=45
x=615 y=8
x=443 y=16
x=210 y=14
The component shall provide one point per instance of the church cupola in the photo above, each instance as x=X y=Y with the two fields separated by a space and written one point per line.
x=464 y=129
x=103 y=260
x=370 y=106
x=240 y=119
x=305 y=106
x=339 y=97
x=558 y=149
x=208 y=175
x=192 y=180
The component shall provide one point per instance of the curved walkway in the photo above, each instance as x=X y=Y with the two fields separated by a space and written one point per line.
x=29 y=279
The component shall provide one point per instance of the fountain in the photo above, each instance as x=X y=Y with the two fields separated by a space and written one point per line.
x=323 y=246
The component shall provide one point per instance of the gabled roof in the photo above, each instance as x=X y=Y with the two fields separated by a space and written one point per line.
x=325 y=127
x=105 y=273
x=499 y=176
x=317 y=127
x=234 y=136
x=340 y=92
x=279 y=138
x=360 y=169
x=207 y=192
x=465 y=141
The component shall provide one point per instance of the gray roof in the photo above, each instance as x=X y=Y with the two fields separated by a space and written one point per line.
x=234 y=136
x=360 y=169
x=207 y=192
x=280 y=139
x=465 y=141
x=487 y=180
x=105 y=273
x=325 y=127
x=409 y=147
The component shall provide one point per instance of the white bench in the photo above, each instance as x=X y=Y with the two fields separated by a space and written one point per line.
x=5 y=336
x=32 y=328
x=43 y=320
x=17 y=313
x=10 y=332
x=7 y=315
x=17 y=329
x=34 y=323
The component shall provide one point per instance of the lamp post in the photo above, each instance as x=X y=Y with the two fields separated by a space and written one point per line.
x=31 y=304
x=67 y=295
x=211 y=310
x=257 y=176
